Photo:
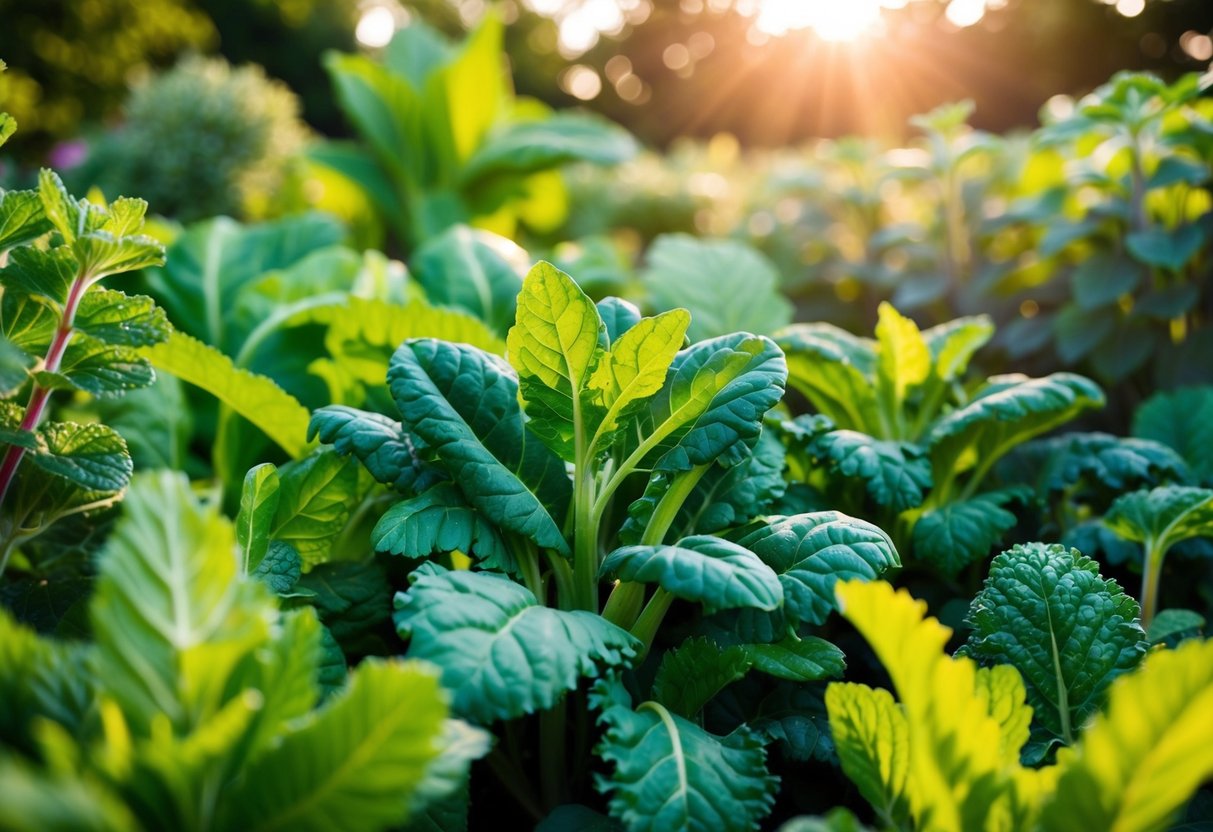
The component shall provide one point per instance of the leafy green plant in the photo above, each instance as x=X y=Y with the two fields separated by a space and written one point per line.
x=1048 y=612
x=200 y=704
x=201 y=140
x=1159 y=519
x=444 y=140
x=1182 y=419
x=522 y=467
x=63 y=331
x=901 y=421
x=946 y=754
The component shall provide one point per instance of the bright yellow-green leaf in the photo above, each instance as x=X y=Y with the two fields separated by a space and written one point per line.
x=1146 y=754
x=638 y=362
x=903 y=356
x=1006 y=697
x=961 y=777
x=475 y=87
x=873 y=742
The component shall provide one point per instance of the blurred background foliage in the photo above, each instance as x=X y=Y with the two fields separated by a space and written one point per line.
x=661 y=68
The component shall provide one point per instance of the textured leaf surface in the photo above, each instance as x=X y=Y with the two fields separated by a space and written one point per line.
x=438 y=521
x=960 y=533
x=463 y=403
x=834 y=370
x=895 y=474
x=380 y=443
x=474 y=270
x=92 y=457
x=636 y=366
x=1146 y=754
x=1163 y=516
x=873 y=742
x=812 y=552
x=258 y=504
x=701 y=568
x=501 y=653
x=694 y=672
x=316 y=495
x=805 y=659
x=1047 y=611
x=671 y=774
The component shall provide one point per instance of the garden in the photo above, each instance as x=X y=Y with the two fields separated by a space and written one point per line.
x=585 y=415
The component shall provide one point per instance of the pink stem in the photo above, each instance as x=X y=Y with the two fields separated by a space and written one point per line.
x=40 y=396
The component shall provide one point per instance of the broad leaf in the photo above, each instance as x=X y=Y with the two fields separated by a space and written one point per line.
x=501 y=652
x=694 y=672
x=873 y=742
x=1046 y=611
x=903 y=359
x=1163 y=516
x=530 y=146
x=474 y=270
x=812 y=552
x=463 y=403
x=1183 y=420
x=390 y=455
x=315 y=497
x=439 y=521
x=21 y=218
x=92 y=457
x=728 y=286
x=832 y=368
x=957 y=534
x=669 y=773
x=1148 y=751
x=258 y=505
x=555 y=346
x=618 y=315
x=797 y=659
x=895 y=474
x=704 y=569
x=122 y=320
x=354 y=764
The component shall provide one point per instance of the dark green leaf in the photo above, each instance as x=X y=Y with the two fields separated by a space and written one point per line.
x=438 y=521
x=390 y=455
x=694 y=672
x=955 y=535
x=1182 y=419
x=895 y=474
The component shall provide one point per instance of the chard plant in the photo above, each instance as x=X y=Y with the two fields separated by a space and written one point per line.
x=945 y=754
x=63 y=331
x=914 y=443
x=604 y=452
x=444 y=140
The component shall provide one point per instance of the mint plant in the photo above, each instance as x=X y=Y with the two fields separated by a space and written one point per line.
x=521 y=467
x=63 y=331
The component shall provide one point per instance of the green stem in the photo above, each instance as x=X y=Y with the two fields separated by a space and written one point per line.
x=650 y=619
x=670 y=504
x=566 y=587
x=624 y=604
x=553 y=742
x=585 y=544
x=528 y=565
x=1150 y=574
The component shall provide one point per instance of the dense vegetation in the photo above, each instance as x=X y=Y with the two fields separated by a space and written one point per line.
x=588 y=511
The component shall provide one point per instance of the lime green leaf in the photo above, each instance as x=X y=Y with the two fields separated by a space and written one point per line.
x=873 y=742
x=804 y=659
x=315 y=497
x=957 y=534
x=1003 y=690
x=501 y=652
x=438 y=521
x=902 y=357
x=101 y=253
x=43 y=801
x=356 y=763
x=276 y=413
x=1147 y=753
x=21 y=218
x=895 y=474
x=694 y=672
x=727 y=285
x=258 y=505
x=69 y=216
x=669 y=773
x=1182 y=419
x=474 y=270
x=171 y=618
x=555 y=345
x=708 y=570
x=636 y=366
x=390 y=455
x=122 y=320
x=463 y=403
x=1046 y=611
x=812 y=552
x=954 y=343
